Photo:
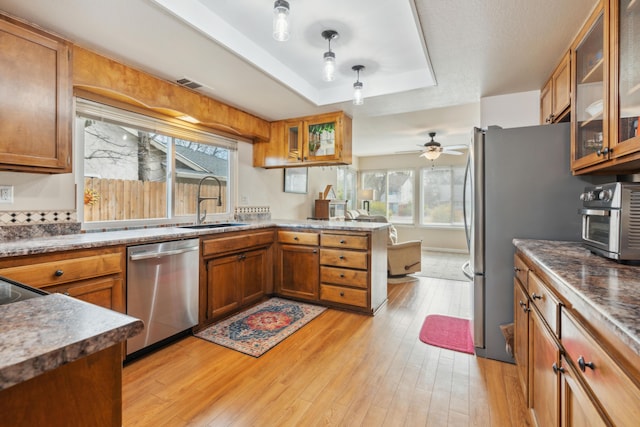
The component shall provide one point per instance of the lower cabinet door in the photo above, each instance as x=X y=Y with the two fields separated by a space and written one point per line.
x=107 y=292
x=253 y=271
x=299 y=271
x=222 y=286
x=544 y=363
x=521 y=336
x=578 y=408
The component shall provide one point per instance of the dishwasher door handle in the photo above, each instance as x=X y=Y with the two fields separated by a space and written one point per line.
x=149 y=255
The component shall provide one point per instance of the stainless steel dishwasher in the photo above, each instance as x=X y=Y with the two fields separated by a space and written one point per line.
x=162 y=289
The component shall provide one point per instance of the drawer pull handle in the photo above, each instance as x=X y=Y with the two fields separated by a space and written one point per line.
x=315 y=251
x=524 y=307
x=341 y=294
x=342 y=276
x=58 y=273
x=557 y=368
x=584 y=365
x=295 y=238
x=536 y=296
x=65 y=293
x=341 y=257
x=342 y=241
x=516 y=269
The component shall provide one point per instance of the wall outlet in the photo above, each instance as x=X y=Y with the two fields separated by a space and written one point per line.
x=6 y=193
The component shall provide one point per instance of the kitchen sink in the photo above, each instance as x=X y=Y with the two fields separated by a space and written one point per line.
x=214 y=225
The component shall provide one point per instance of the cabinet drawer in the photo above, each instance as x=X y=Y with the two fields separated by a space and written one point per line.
x=236 y=242
x=340 y=258
x=344 y=241
x=298 y=238
x=342 y=295
x=617 y=393
x=521 y=270
x=546 y=303
x=344 y=276
x=41 y=275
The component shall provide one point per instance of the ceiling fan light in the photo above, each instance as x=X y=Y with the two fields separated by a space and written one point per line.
x=431 y=155
x=358 y=97
x=281 y=20
x=329 y=67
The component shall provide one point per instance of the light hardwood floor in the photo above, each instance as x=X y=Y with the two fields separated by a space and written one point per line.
x=341 y=369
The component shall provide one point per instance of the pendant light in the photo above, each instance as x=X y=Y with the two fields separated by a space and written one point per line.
x=329 y=66
x=281 y=20
x=358 y=97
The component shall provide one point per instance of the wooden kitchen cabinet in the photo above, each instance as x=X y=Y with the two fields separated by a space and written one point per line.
x=606 y=96
x=239 y=271
x=96 y=276
x=555 y=97
x=544 y=383
x=521 y=311
x=298 y=266
x=344 y=277
x=35 y=99
x=574 y=378
x=590 y=68
x=307 y=141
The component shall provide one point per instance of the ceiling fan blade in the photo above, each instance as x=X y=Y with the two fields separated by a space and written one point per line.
x=408 y=151
x=455 y=153
x=457 y=147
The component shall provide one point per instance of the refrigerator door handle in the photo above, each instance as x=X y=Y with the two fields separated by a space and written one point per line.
x=466 y=270
x=467 y=232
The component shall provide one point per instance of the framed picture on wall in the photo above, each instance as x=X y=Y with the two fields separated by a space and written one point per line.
x=296 y=180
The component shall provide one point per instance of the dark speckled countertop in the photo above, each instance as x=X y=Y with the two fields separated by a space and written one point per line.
x=610 y=290
x=146 y=235
x=40 y=334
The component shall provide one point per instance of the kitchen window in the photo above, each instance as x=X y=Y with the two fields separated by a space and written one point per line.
x=393 y=194
x=138 y=170
x=442 y=189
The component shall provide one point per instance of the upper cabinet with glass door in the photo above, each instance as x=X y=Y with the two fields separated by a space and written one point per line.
x=589 y=112
x=625 y=58
x=320 y=140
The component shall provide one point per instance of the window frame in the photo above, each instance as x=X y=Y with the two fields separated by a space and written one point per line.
x=166 y=126
x=387 y=172
x=450 y=225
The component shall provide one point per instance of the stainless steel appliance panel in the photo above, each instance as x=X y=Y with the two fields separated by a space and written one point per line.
x=526 y=190
x=162 y=289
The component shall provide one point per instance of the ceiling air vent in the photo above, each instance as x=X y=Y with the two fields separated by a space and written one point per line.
x=189 y=83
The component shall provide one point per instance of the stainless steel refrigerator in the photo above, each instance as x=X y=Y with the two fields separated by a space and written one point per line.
x=519 y=185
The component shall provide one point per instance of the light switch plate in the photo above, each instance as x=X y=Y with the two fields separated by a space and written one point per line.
x=6 y=193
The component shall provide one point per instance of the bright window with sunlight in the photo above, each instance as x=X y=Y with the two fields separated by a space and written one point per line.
x=346 y=186
x=138 y=168
x=393 y=194
x=442 y=191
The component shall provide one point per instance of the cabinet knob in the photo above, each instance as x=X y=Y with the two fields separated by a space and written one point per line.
x=65 y=293
x=557 y=368
x=58 y=273
x=343 y=242
x=341 y=257
x=584 y=365
x=341 y=294
x=341 y=276
x=516 y=269
x=296 y=238
x=315 y=251
x=524 y=307
x=606 y=151
x=536 y=296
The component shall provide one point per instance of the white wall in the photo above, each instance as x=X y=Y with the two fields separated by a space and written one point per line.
x=264 y=187
x=39 y=191
x=510 y=111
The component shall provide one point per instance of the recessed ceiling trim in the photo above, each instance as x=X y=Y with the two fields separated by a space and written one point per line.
x=201 y=18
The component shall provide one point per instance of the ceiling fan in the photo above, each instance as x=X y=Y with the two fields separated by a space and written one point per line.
x=433 y=149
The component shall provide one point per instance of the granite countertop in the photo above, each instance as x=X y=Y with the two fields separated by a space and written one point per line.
x=611 y=290
x=40 y=334
x=90 y=240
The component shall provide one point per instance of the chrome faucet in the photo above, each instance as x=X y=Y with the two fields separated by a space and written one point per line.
x=200 y=218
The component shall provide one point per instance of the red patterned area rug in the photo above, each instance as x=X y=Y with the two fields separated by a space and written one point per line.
x=448 y=332
x=260 y=328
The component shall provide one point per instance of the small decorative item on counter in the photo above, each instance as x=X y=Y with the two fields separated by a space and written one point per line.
x=91 y=197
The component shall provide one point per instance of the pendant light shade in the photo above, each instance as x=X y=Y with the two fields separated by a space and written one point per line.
x=358 y=96
x=329 y=61
x=281 y=20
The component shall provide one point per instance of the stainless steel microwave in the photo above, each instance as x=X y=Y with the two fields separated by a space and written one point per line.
x=611 y=220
